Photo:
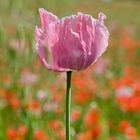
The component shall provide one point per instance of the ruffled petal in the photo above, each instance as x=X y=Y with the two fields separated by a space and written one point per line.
x=42 y=52
x=70 y=52
x=102 y=35
x=46 y=18
x=74 y=42
x=99 y=39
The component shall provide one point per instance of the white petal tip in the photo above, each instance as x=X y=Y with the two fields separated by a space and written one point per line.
x=101 y=17
x=41 y=9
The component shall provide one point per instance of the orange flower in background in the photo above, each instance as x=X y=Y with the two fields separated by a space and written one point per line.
x=56 y=96
x=128 y=42
x=91 y=119
x=96 y=132
x=84 y=91
x=17 y=134
x=75 y=115
x=34 y=105
x=79 y=82
x=128 y=70
x=22 y=131
x=40 y=135
x=11 y=134
x=129 y=103
x=7 y=80
x=14 y=102
x=11 y=99
x=131 y=133
x=89 y=135
x=57 y=127
x=127 y=80
x=61 y=134
x=127 y=90
x=85 y=136
x=124 y=124
x=3 y=93
x=82 y=97
x=134 y=104
x=112 y=138
x=55 y=124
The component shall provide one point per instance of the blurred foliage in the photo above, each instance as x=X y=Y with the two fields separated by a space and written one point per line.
x=105 y=107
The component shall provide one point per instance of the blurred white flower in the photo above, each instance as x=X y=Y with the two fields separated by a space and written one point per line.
x=41 y=94
x=28 y=78
x=124 y=91
x=51 y=106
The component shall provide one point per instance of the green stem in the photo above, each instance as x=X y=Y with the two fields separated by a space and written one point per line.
x=68 y=98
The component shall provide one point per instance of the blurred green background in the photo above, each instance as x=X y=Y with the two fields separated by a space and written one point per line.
x=32 y=103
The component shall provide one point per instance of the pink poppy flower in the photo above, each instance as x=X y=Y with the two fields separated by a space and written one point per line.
x=73 y=43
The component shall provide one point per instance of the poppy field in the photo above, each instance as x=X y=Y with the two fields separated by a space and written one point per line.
x=105 y=100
